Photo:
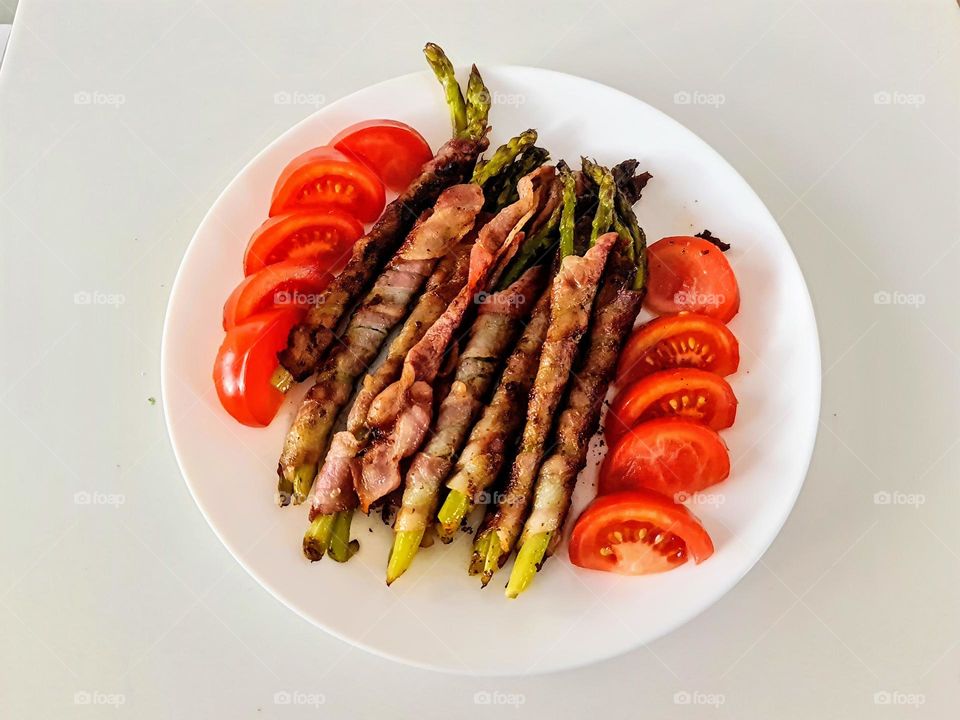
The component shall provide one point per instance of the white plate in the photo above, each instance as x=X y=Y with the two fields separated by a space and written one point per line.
x=436 y=616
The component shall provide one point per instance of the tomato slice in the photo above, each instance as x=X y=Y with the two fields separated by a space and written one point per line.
x=245 y=362
x=323 y=178
x=669 y=456
x=283 y=284
x=321 y=236
x=688 y=393
x=394 y=150
x=636 y=533
x=690 y=273
x=687 y=340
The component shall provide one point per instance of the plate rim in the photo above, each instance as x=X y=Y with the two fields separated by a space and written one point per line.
x=808 y=442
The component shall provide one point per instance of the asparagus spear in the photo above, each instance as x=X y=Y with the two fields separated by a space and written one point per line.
x=478 y=105
x=504 y=190
x=618 y=303
x=443 y=69
x=573 y=290
x=503 y=156
x=569 y=211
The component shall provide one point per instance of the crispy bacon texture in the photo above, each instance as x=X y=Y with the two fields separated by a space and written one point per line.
x=335 y=479
x=400 y=415
x=381 y=309
x=573 y=292
x=308 y=341
x=493 y=332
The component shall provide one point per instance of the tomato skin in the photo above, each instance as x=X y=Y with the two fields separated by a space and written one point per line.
x=690 y=273
x=323 y=178
x=670 y=456
x=245 y=362
x=710 y=400
x=685 y=340
x=321 y=236
x=392 y=149
x=639 y=517
x=283 y=284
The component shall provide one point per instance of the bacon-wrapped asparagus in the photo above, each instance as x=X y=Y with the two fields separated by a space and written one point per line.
x=400 y=415
x=573 y=291
x=453 y=163
x=383 y=307
x=617 y=305
x=498 y=321
x=335 y=479
x=483 y=455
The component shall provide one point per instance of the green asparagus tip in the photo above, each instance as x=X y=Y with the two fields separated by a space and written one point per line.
x=528 y=561
x=406 y=543
x=342 y=548
x=503 y=156
x=281 y=379
x=478 y=105
x=452 y=512
x=567 y=215
x=443 y=69
x=317 y=538
x=604 y=215
x=302 y=480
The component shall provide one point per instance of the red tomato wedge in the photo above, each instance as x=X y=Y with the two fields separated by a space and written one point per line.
x=670 y=456
x=321 y=236
x=637 y=533
x=245 y=362
x=284 y=284
x=326 y=178
x=688 y=393
x=687 y=340
x=392 y=149
x=690 y=273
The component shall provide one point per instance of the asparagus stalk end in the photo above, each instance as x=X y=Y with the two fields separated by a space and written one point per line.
x=529 y=559
x=317 y=538
x=452 y=512
x=406 y=543
x=281 y=379
x=342 y=548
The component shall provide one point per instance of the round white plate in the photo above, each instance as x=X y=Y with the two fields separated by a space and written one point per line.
x=436 y=615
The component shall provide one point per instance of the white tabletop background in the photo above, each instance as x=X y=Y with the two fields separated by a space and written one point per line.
x=121 y=121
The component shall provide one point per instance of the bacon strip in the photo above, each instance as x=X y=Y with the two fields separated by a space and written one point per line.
x=382 y=308
x=493 y=332
x=616 y=310
x=400 y=415
x=334 y=482
x=483 y=456
x=574 y=288
x=308 y=341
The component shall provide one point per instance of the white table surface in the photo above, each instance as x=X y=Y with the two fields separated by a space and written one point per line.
x=134 y=609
